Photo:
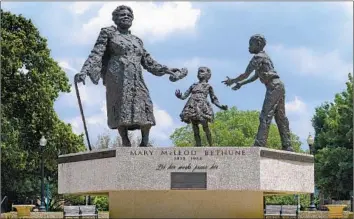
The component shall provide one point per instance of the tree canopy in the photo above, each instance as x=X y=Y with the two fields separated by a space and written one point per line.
x=232 y=128
x=333 y=146
x=236 y=128
x=105 y=140
x=31 y=81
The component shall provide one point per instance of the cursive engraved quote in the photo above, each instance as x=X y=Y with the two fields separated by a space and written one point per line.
x=186 y=167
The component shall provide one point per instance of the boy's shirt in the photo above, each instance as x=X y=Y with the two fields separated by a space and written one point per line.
x=263 y=66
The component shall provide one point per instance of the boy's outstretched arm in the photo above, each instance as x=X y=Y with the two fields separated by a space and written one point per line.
x=251 y=79
x=240 y=84
x=250 y=68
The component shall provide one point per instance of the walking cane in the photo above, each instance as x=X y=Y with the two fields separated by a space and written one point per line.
x=87 y=197
x=81 y=110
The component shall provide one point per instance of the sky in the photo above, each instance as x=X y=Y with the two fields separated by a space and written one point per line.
x=310 y=43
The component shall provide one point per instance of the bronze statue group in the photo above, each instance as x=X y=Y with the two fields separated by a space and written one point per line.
x=118 y=57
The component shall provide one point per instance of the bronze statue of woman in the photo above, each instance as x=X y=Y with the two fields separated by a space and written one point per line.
x=117 y=58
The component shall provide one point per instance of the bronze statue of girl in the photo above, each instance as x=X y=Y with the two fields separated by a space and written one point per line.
x=198 y=110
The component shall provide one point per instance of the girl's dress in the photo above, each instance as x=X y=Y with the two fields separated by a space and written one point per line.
x=198 y=109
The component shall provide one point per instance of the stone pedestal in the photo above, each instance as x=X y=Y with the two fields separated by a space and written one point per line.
x=186 y=204
x=209 y=182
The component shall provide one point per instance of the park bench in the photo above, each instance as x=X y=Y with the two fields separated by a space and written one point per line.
x=289 y=211
x=281 y=211
x=80 y=211
x=272 y=211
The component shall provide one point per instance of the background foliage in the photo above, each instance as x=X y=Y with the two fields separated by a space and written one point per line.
x=31 y=81
x=333 y=147
x=232 y=128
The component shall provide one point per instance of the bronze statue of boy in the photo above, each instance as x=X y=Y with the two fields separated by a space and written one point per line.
x=274 y=102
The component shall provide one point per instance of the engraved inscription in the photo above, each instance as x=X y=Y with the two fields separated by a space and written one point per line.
x=180 y=180
x=185 y=167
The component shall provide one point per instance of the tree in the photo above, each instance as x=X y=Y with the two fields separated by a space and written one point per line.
x=232 y=128
x=333 y=146
x=101 y=202
x=105 y=141
x=238 y=128
x=31 y=81
x=334 y=172
x=333 y=121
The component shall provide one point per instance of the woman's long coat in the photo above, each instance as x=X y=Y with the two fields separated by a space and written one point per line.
x=117 y=58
